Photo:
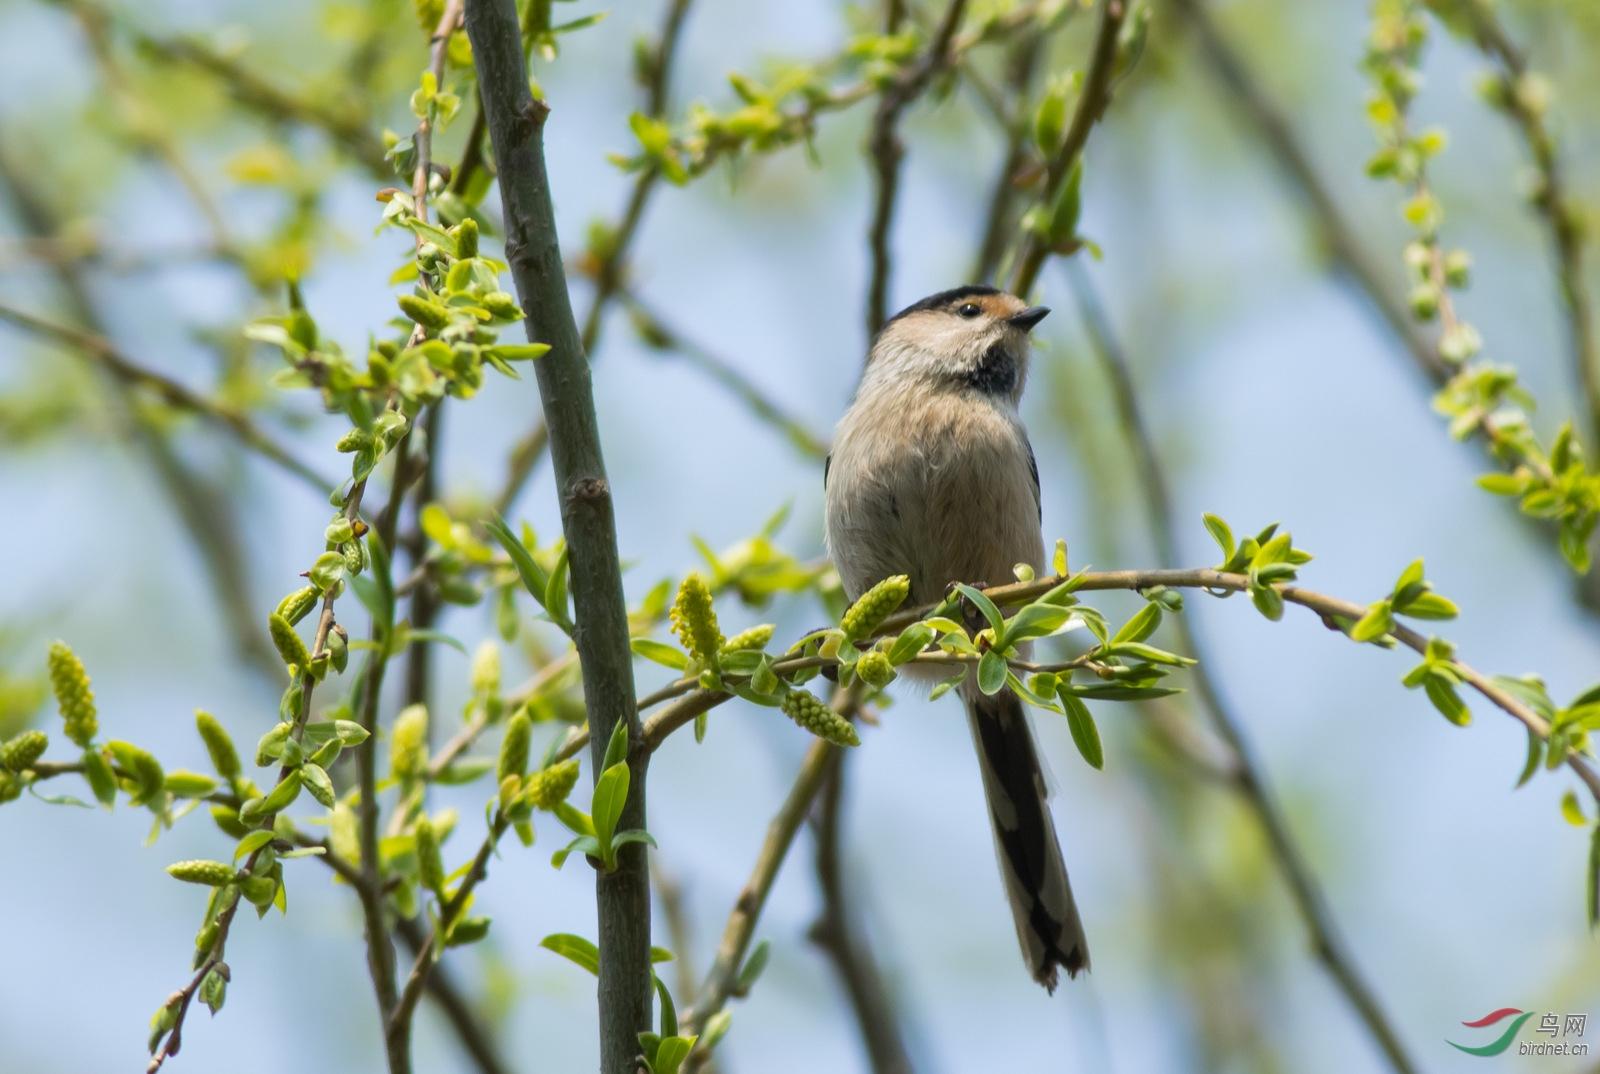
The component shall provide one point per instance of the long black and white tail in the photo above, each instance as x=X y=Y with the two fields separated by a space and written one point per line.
x=1030 y=858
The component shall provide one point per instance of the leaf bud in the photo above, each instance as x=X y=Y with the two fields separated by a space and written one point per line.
x=287 y=642
x=408 y=742
x=805 y=709
x=294 y=607
x=71 y=686
x=353 y=440
x=875 y=669
x=20 y=753
x=430 y=864
x=427 y=314
x=260 y=890
x=211 y=873
x=468 y=930
x=270 y=747
x=327 y=570
x=227 y=820
x=339 y=531
x=185 y=784
x=502 y=305
x=549 y=787
x=466 y=236
x=316 y=780
x=514 y=747
x=753 y=640
x=1424 y=301
x=224 y=758
x=874 y=606
x=339 y=648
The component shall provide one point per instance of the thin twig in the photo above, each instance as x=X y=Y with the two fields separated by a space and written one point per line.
x=1250 y=778
x=169 y=391
x=998 y=221
x=1093 y=101
x=660 y=337
x=844 y=942
x=1551 y=199
x=886 y=150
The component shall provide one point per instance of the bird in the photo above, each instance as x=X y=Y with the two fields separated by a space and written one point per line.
x=932 y=476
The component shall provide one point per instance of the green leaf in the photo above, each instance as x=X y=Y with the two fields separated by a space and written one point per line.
x=1268 y=601
x=1222 y=534
x=555 y=597
x=945 y=686
x=1141 y=651
x=1428 y=606
x=669 y=1010
x=1375 y=624
x=661 y=653
x=436 y=636
x=1035 y=621
x=1444 y=697
x=253 y=842
x=984 y=605
x=1571 y=810
x=584 y=844
x=1117 y=692
x=616 y=746
x=575 y=949
x=534 y=580
x=672 y=1052
x=1084 y=733
x=912 y=640
x=1140 y=627
x=750 y=972
x=991 y=672
x=101 y=780
x=1535 y=754
x=610 y=795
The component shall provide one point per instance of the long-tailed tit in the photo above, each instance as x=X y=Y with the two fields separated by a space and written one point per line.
x=932 y=476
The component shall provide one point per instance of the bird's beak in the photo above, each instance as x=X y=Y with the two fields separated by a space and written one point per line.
x=1029 y=317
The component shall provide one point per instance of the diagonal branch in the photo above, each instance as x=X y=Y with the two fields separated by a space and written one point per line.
x=1249 y=777
x=171 y=392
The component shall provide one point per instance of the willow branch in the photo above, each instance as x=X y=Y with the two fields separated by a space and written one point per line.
x=1250 y=778
x=998 y=221
x=1093 y=101
x=171 y=392
x=206 y=511
x=886 y=150
x=660 y=337
x=1552 y=199
x=841 y=938
x=724 y=973
x=516 y=127
x=610 y=268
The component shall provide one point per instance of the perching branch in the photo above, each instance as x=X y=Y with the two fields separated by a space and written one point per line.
x=171 y=392
x=516 y=125
x=1249 y=778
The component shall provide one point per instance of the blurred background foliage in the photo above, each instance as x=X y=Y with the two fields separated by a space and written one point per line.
x=164 y=166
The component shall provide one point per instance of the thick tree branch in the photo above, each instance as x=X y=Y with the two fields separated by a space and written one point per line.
x=516 y=124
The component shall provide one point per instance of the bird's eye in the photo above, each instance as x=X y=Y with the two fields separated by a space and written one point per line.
x=969 y=311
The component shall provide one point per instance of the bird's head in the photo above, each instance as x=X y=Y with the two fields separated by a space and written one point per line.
x=967 y=339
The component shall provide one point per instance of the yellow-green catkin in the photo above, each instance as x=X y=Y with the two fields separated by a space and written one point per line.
x=288 y=643
x=466 y=235
x=430 y=863
x=755 y=638
x=514 y=747
x=408 y=742
x=875 y=669
x=486 y=670
x=295 y=606
x=425 y=313
x=20 y=753
x=10 y=788
x=212 y=873
x=695 y=621
x=803 y=708
x=549 y=787
x=224 y=758
x=874 y=606
x=71 y=685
